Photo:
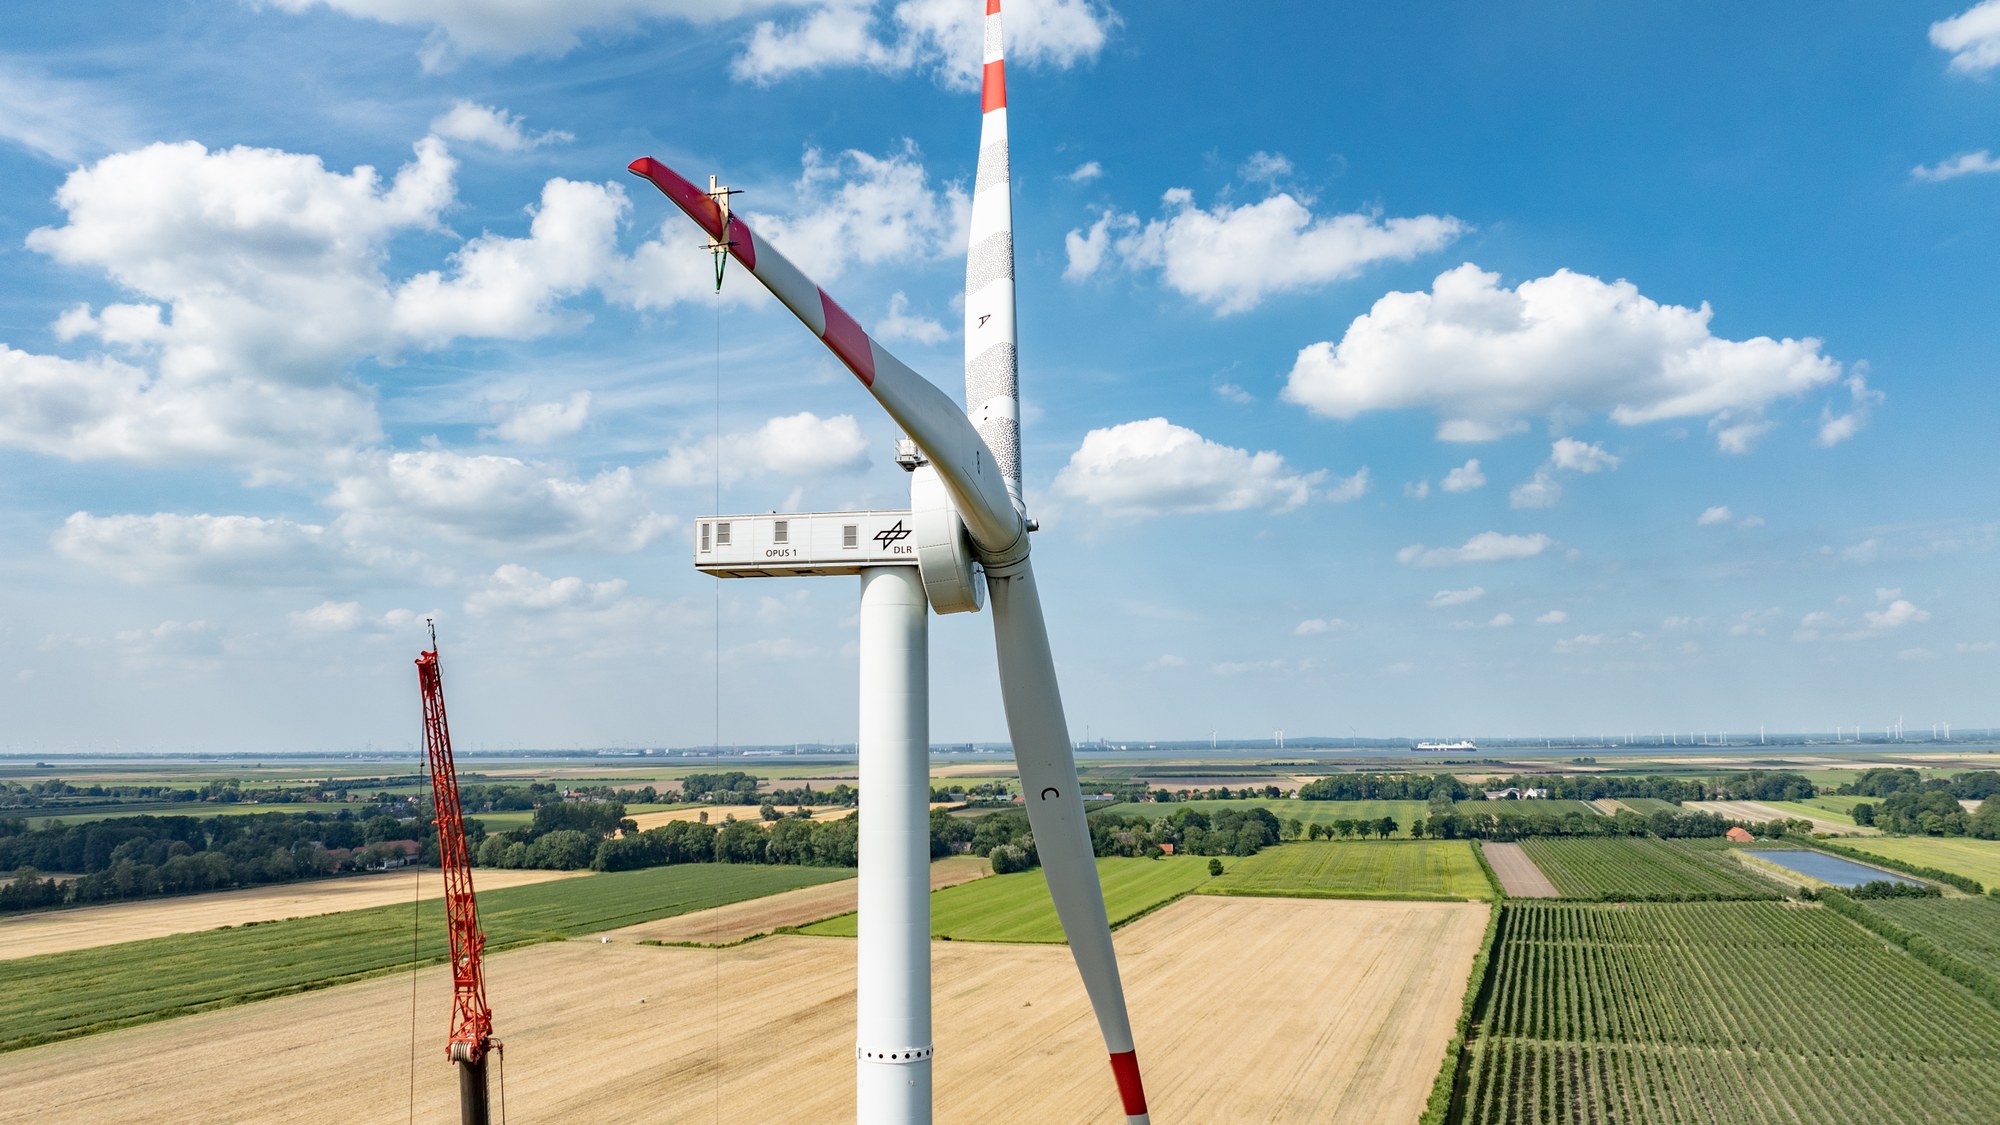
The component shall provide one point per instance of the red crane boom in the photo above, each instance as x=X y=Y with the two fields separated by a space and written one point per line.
x=471 y=1018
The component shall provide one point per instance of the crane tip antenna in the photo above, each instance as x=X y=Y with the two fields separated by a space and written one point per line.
x=431 y=624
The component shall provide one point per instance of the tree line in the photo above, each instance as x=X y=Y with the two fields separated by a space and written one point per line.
x=1914 y=805
x=138 y=856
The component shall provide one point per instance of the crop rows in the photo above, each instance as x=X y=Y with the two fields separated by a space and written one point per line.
x=1719 y=1012
x=1968 y=928
x=1603 y=1084
x=1642 y=868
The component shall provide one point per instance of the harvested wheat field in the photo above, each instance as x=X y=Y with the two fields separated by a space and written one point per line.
x=726 y=925
x=1517 y=873
x=84 y=927
x=1248 y=1010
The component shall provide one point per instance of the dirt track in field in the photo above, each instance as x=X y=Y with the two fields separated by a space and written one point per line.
x=1518 y=875
x=725 y=925
x=1264 y=1010
x=55 y=931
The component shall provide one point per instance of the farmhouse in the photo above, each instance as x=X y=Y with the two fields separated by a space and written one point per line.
x=1738 y=835
x=1516 y=793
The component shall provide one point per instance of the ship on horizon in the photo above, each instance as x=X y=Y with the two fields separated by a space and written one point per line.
x=1459 y=745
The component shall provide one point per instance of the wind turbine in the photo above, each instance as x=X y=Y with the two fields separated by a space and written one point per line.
x=971 y=533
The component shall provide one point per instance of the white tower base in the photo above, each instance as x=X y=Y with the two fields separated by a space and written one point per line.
x=892 y=1056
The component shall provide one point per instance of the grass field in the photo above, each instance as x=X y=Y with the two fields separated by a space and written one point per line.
x=1275 y=1011
x=1017 y=907
x=1413 y=869
x=1642 y=867
x=1974 y=859
x=77 y=814
x=1307 y=813
x=1647 y=806
x=1812 y=810
x=1751 y=1013
x=1528 y=808
x=63 y=994
x=1839 y=803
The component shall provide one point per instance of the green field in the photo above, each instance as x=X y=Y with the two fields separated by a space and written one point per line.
x=1528 y=808
x=1642 y=868
x=1813 y=808
x=1017 y=907
x=1307 y=813
x=1974 y=859
x=77 y=814
x=1416 y=869
x=60 y=995
x=1839 y=803
x=1752 y=1013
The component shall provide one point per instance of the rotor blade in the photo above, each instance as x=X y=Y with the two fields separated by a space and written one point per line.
x=992 y=387
x=1047 y=763
x=925 y=413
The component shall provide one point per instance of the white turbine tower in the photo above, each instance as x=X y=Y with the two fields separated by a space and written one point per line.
x=970 y=533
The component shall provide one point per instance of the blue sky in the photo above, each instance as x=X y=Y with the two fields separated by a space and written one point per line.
x=1435 y=371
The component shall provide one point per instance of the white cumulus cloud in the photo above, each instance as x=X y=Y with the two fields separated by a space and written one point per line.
x=1315 y=626
x=1084 y=173
x=1542 y=490
x=940 y=37
x=1895 y=615
x=1972 y=37
x=799 y=446
x=1465 y=478
x=899 y=324
x=494 y=500
x=494 y=128
x=1457 y=597
x=538 y=423
x=1483 y=357
x=1964 y=164
x=856 y=207
x=1571 y=455
x=517 y=588
x=216 y=550
x=1152 y=466
x=1487 y=546
x=1231 y=258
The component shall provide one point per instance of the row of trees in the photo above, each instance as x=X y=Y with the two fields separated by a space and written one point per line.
x=138 y=856
x=1386 y=787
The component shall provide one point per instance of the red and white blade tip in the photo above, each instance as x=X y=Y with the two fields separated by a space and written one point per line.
x=1125 y=1067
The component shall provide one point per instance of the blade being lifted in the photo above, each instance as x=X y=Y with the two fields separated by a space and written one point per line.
x=984 y=482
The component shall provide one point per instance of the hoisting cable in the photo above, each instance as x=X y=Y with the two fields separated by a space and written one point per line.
x=500 y=1057
x=720 y=249
x=416 y=933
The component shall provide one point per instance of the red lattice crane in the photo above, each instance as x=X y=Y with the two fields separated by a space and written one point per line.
x=471 y=1018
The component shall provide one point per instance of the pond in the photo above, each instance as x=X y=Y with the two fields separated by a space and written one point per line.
x=1829 y=868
